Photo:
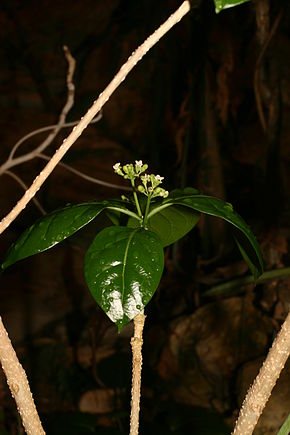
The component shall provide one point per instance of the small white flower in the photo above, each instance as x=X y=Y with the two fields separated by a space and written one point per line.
x=145 y=178
x=116 y=166
x=158 y=178
x=138 y=163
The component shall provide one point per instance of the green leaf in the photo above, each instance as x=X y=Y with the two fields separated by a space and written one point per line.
x=52 y=229
x=170 y=224
x=123 y=268
x=285 y=428
x=57 y=226
x=244 y=237
x=224 y=4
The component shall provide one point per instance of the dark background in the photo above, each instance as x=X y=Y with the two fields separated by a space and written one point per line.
x=188 y=110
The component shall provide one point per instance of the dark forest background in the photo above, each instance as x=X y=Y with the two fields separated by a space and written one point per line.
x=190 y=111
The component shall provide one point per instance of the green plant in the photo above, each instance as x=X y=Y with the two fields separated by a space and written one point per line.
x=124 y=264
x=161 y=221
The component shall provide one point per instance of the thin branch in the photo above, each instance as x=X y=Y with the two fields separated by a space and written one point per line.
x=258 y=98
x=14 y=162
x=68 y=105
x=23 y=185
x=261 y=389
x=85 y=176
x=136 y=343
x=96 y=107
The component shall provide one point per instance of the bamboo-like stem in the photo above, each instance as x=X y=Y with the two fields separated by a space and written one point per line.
x=261 y=389
x=91 y=113
x=23 y=185
x=136 y=343
x=18 y=384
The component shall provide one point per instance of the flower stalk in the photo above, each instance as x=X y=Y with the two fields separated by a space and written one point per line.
x=149 y=185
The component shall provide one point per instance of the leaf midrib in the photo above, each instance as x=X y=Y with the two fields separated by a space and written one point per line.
x=125 y=261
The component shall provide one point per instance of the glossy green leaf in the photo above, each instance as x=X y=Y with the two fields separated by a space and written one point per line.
x=57 y=226
x=245 y=239
x=123 y=268
x=173 y=223
x=52 y=229
x=225 y=4
x=170 y=224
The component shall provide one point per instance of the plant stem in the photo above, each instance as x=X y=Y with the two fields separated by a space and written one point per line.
x=261 y=389
x=125 y=211
x=18 y=384
x=137 y=204
x=136 y=199
x=147 y=210
x=136 y=343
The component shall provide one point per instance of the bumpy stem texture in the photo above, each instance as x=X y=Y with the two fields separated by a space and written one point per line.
x=136 y=343
x=18 y=384
x=261 y=389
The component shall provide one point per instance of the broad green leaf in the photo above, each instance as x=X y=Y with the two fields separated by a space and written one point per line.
x=170 y=224
x=245 y=239
x=123 y=267
x=57 y=226
x=225 y=4
x=285 y=428
x=52 y=229
x=173 y=223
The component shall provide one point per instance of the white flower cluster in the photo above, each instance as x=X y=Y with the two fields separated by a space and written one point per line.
x=130 y=171
x=150 y=186
x=150 y=183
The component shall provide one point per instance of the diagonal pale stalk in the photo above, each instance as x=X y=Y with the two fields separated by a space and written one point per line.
x=135 y=57
x=136 y=343
x=18 y=384
x=261 y=389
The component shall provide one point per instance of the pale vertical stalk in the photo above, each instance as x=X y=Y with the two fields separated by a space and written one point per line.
x=135 y=57
x=18 y=384
x=136 y=343
x=261 y=389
